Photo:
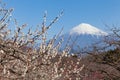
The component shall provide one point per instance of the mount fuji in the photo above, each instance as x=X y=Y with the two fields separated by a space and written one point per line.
x=81 y=36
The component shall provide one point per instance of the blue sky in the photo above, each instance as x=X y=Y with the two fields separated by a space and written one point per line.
x=94 y=12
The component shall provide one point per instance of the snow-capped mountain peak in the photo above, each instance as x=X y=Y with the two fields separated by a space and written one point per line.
x=85 y=28
x=83 y=35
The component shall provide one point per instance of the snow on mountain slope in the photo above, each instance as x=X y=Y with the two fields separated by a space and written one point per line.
x=83 y=35
x=85 y=28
